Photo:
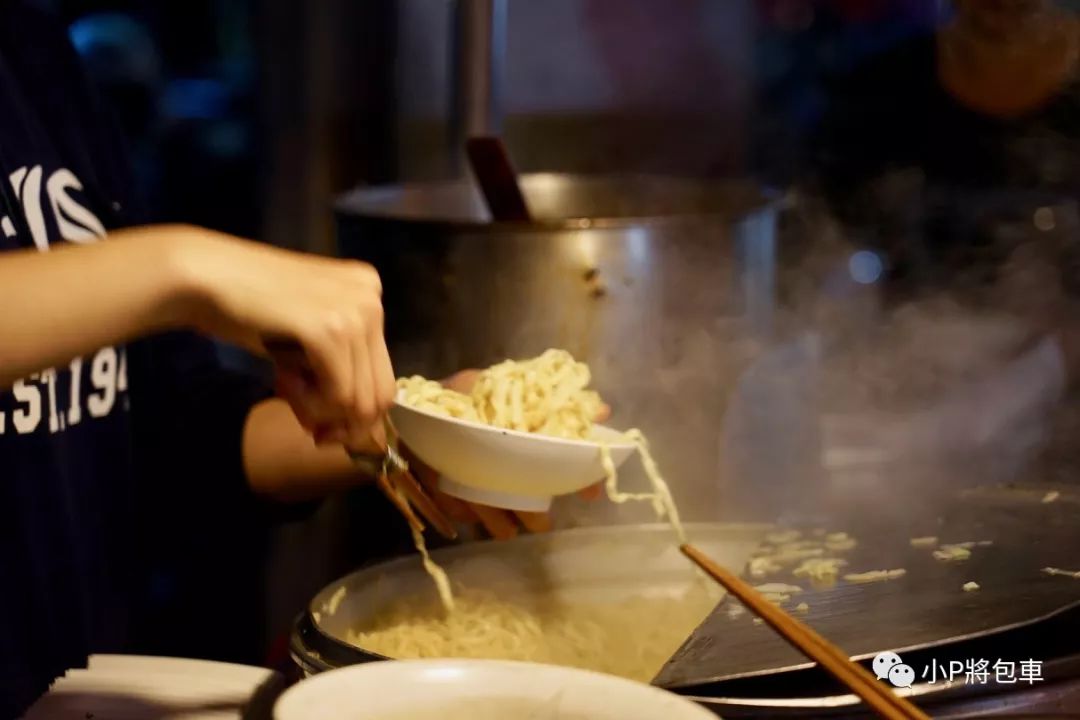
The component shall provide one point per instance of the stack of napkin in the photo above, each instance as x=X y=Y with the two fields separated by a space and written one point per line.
x=129 y=687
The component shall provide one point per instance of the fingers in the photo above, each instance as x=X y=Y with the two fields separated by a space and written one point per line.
x=364 y=274
x=291 y=387
x=461 y=381
x=499 y=523
x=325 y=423
x=455 y=509
x=319 y=382
x=535 y=522
x=364 y=410
x=330 y=353
x=373 y=389
x=352 y=273
x=452 y=507
x=376 y=437
x=343 y=383
x=593 y=492
x=319 y=319
x=382 y=371
x=308 y=406
x=603 y=413
x=373 y=374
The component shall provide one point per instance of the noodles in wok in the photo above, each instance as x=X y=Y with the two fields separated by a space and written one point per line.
x=632 y=638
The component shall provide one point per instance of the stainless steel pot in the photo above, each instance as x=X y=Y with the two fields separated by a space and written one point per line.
x=664 y=286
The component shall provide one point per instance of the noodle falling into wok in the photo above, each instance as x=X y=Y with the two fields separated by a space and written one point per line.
x=546 y=395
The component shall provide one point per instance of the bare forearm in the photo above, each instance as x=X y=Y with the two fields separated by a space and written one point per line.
x=74 y=299
x=282 y=461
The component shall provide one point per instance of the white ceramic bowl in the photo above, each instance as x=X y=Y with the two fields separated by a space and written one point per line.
x=505 y=468
x=478 y=690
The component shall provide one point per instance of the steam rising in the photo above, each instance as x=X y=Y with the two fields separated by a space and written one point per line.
x=870 y=396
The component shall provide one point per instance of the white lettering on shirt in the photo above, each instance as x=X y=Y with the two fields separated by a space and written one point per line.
x=42 y=395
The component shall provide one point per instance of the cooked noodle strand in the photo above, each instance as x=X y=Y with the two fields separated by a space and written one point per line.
x=546 y=395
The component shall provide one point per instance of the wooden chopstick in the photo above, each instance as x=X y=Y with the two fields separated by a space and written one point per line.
x=880 y=698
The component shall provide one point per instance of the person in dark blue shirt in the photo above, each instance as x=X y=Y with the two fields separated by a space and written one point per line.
x=109 y=376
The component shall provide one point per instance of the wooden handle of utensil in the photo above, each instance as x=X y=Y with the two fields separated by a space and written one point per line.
x=881 y=699
x=498 y=181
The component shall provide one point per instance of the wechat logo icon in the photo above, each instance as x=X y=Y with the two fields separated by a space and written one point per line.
x=889 y=666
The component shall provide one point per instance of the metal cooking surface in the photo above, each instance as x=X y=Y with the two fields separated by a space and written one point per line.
x=592 y=564
x=926 y=607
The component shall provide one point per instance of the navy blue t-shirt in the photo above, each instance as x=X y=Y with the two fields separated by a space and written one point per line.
x=81 y=442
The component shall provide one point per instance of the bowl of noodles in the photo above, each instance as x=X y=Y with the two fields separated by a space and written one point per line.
x=478 y=690
x=524 y=434
x=618 y=600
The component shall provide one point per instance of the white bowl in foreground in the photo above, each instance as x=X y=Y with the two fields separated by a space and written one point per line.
x=505 y=468
x=478 y=690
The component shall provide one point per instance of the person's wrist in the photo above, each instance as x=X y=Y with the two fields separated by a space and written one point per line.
x=191 y=286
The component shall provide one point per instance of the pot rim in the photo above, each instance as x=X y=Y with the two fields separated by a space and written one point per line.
x=770 y=199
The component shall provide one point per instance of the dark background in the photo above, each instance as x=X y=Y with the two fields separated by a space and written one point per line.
x=249 y=116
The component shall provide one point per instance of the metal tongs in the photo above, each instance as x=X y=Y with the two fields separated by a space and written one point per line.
x=390 y=469
x=391 y=472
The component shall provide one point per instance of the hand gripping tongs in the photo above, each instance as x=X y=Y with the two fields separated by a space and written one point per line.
x=390 y=469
